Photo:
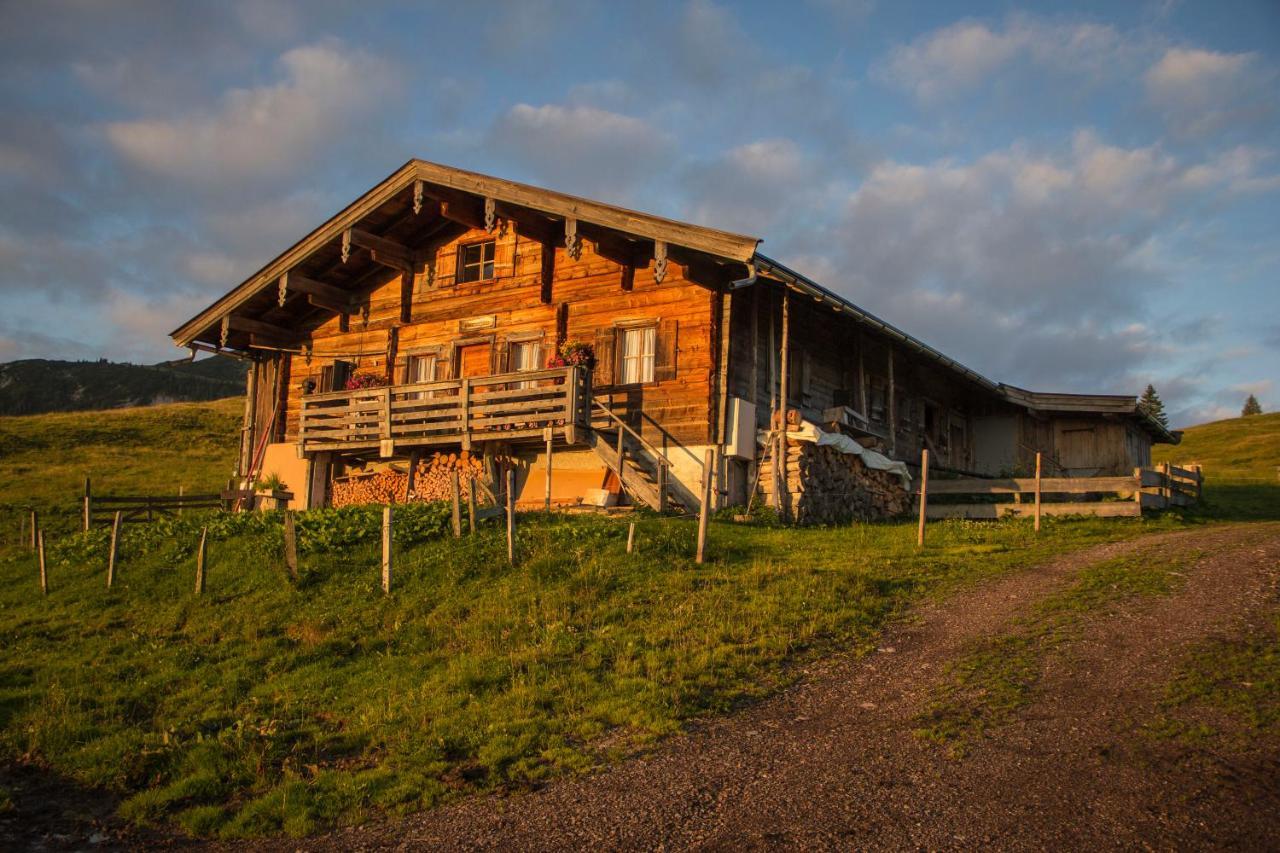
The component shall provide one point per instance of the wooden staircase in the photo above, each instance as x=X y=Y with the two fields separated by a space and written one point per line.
x=640 y=467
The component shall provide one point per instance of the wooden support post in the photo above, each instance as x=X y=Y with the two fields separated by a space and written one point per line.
x=924 y=495
x=784 y=393
x=704 y=510
x=631 y=537
x=1137 y=489
x=114 y=549
x=549 y=434
x=455 y=483
x=202 y=554
x=1037 y=491
x=621 y=453
x=35 y=527
x=290 y=545
x=471 y=505
x=662 y=485
x=511 y=517
x=1166 y=487
x=44 y=576
x=88 y=503
x=464 y=409
x=387 y=542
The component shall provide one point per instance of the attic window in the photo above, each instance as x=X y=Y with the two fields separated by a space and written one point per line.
x=475 y=261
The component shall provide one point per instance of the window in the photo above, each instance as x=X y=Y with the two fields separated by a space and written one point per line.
x=420 y=368
x=637 y=349
x=475 y=261
x=524 y=357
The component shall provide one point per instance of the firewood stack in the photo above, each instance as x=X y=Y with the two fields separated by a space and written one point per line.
x=433 y=482
x=825 y=486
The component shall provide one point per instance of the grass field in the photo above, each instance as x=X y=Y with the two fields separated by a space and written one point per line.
x=268 y=705
x=1241 y=459
x=45 y=458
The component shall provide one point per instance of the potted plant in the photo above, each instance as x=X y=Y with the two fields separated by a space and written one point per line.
x=573 y=354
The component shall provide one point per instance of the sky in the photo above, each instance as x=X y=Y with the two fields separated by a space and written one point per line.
x=1065 y=197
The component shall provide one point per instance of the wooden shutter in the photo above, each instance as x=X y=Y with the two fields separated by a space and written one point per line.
x=665 y=349
x=501 y=355
x=326 y=379
x=342 y=371
x=606 y=352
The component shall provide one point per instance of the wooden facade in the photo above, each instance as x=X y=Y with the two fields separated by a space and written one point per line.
x=427 y=316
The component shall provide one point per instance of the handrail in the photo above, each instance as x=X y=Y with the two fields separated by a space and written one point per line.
x=657 y=454
x=447 y=384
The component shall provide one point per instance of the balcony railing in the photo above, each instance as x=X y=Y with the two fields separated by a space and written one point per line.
x=500 y=407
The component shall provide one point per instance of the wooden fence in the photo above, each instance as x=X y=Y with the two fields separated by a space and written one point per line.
x=1146 y=489
x=101 y=509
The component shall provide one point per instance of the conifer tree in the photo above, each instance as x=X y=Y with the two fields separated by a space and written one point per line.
x=1251 y=407
x=1151 y=403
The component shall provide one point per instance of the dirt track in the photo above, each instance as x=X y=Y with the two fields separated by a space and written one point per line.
x=833 y=762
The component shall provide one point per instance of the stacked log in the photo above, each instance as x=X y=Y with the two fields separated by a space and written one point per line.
x=825 y=486
x=433 y=481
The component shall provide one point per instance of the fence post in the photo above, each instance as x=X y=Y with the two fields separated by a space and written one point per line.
x=88 y=503
x=471 y=504
x=44 y=577
x=1166 y=484
x=456 y=485
x=1199 y=481
x=1037 y=491
x=111 y=555
x=631 y=537
x=511 y=516
x=703 y=511
x=201 y=555
x=290 y=544
x=387 y=542
x=924 y=495
x=1137 y=491
x=182 y=491
x=35 y=525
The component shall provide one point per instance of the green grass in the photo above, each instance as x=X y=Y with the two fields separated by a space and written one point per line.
x=265 y=706
x=998 y=676
x=1240 y=458
x=153 y=450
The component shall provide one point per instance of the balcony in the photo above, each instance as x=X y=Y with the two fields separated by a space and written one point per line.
x=499 y=407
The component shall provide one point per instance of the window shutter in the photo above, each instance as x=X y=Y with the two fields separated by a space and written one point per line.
x=501 y=356
x=326 y=379
x=342 y=371
x=402 y=370
x=606 y=351
x=665 y=349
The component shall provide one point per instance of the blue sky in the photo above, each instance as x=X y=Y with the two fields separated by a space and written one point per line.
x=1078 y=197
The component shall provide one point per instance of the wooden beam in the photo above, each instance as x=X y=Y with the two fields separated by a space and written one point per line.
x=296 y=281
x=386 y=252
x=548 y=271
x=257 y=327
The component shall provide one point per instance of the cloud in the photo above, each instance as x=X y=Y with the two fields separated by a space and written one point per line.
x=1200 y=91
x=581 y=148
x=1036 y=267
x=751 y=187
x=964 y=55
x=710 y=45
x=269 y=131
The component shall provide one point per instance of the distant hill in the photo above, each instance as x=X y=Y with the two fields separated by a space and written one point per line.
x=35 y=386
x=1234 y=449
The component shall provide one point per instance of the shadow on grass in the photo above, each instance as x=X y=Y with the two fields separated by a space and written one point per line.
x=1240 y=502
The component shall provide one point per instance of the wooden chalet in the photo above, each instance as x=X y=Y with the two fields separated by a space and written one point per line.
x=427 y=317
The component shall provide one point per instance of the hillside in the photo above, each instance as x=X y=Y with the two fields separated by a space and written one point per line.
x=1234 y=449
x=151 y=450
x=35 y=386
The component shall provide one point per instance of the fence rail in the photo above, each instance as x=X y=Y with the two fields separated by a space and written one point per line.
x=454 y=411
x=101 y=509
x=1146 y=489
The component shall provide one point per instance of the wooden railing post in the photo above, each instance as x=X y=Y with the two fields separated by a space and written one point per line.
x=1037 y=491
x=705 y=509
x=386 y=412
x=464 y=411
x=631 y=537
x=924 y=495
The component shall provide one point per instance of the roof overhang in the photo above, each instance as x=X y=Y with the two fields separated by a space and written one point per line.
x=1121 y=405
x=442 y=185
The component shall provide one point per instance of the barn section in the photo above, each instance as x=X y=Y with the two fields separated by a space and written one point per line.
x=426 y=318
